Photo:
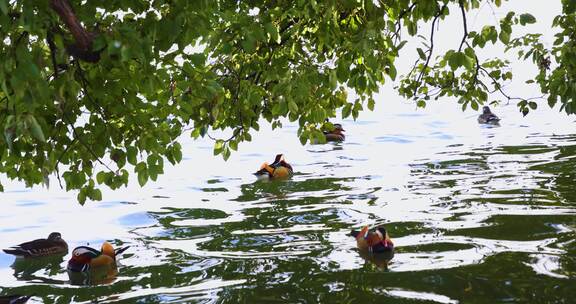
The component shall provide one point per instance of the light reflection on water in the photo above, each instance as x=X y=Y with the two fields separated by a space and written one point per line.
x=475 y=213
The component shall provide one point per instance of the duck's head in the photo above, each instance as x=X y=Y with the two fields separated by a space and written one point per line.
x=279 y=161
x=55 y=236
x=486 y=110
x=108 y=250
x=83 y=255
x=338 y=129
x=381 y=231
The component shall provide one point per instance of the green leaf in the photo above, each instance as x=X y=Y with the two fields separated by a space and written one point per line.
x=142 y=177
x=101 y=177
x=392 y=71
x=218 y=146
x=81 y=197
x=347 y=110
x=474 y=105
x=527 y=19
x=457 y=60
x=96 y=195
x=4 y=6
x=421 y=54
x=333 y=79
x=504 y=37
x=371 y=104
x=343 y=71
x=131 y=155
x=292 y=106
x=273 y=33
x=35 y=128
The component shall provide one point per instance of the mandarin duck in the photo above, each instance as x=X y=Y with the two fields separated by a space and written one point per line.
x=374 y=241
x=53 y=245
x=336 y=134
x=14 y=299
x=278 y=169
x=487 y=117
x=84 y=257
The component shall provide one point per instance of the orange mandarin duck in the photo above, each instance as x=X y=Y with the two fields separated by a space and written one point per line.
x=336 y=134
x=277 y=170
x=53 y=245
x=374 y=241
x=85 y=258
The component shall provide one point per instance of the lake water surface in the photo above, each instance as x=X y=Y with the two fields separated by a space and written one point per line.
x=478 y=215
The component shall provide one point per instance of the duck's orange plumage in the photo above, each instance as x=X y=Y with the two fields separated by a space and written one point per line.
x=278 y=169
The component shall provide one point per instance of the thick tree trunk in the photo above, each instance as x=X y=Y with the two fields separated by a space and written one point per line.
x=83 y=47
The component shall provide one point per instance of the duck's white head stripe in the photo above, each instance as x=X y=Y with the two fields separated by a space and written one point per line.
x=84 y=250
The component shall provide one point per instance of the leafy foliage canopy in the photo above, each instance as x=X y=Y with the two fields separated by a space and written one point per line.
x=100 y=88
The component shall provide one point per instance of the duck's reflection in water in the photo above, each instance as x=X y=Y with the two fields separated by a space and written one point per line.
x=28 y=268
x=380 y=260
x=94 y=276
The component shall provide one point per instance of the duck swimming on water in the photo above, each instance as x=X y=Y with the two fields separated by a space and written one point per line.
x=336 y=134
x=373 y=240
x=84 y=258
x=487 y=117
x=53 y=245
x=277 y=170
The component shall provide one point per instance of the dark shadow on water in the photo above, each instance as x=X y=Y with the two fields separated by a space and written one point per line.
x=281 y=189
x=28 y=269
x=380 y=260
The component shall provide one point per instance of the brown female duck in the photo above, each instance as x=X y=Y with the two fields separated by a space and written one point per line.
x=53 y=245
x=337 y=134
x=487 y=117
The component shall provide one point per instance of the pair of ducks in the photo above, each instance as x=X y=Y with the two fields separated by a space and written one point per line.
x=83 y=258
x=372 y=241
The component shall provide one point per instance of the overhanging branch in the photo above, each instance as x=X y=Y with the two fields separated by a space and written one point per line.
x=83 y=47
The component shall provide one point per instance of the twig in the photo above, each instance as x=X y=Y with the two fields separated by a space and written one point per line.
x=464 y=22
x=396 y=34
x=52 y=47
x=76 y=136
x=84 y=84
x=60 y=159
x=431 y=49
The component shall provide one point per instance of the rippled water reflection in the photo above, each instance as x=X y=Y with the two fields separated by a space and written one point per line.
x=478 y=215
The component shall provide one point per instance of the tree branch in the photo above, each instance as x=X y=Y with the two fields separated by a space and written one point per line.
x=464 y=22
x=83 y=47
x=60 y=159
x=396 y=34
x=431 y=49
